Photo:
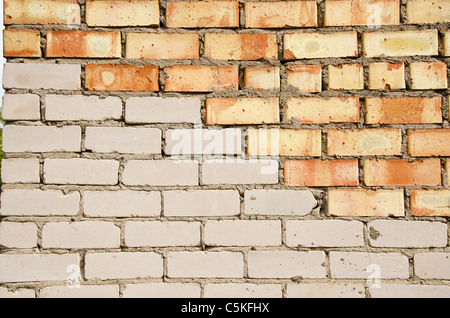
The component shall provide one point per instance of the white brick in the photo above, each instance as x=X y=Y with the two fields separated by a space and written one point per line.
x=324 y=233
x=123 y=140
x=123 y=265
x=286 y=264
x=18 y=293
x=205 y=264
x=201 y=203
x=279 y=202
x=243 y=233
x=410 y=291
x=160 y=173
x=18 y=235
x=36 y=267
x=41 y=139
x=79 y=107
x=125 y=203
x=161 y=234
x=42 y=76
x=407 y=234
x=355 y=265
x=84 y=291
x=39 y=202
x=432 y=265
x=142 y=110
x=21 y=107
x=325 y=290
x=162 y=290
x=243 y=291
x=80 y=235
x=20 y=171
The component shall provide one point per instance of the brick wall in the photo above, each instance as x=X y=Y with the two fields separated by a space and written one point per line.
x=225 y=149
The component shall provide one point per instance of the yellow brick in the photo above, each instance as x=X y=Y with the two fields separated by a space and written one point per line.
x=428 y=75
x=428 y=11
x=385 y=75
x=262 y=78
x=306 y=78
x=348 y=76
x=446 y=40
x=22 y=43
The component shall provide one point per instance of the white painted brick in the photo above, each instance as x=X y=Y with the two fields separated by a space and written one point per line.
x=201 y=203
x=41 y=139
x=125 y=203
x=36 y=267
x=243 y=291
x=21 y=107
x=20 y=171
x=18 y=235
x=286 y=264
x=84 y=291
x=410 y=291
x=18 y=293
x=162 y=290
x=158 y=234
x=79 y=107
x=243 y=233
x=42 y=76
x=355 y=265
x=39 y=202
x=123 y=265
x=407 y=234
x=432 y=265
x=160 y=173
x=325 y=290
x=324 y=233
x=205 y=264
x=89 y=234
x=279 y=202
x=123 y=140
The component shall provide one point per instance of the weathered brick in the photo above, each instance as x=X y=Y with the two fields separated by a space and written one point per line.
x=21 y=43
x=262 y=78
x=320 y=45
x=280 y=14
x=162 y=234
x=17 y=293
x=162 y=290
x=447 y=170
x=202 y=14
x=250 y=46
x=18 y=235
x=446 y=42
x=345 y=76
x=364 y=142
x=21 y=107
x=427 y=11
x=17 y=170
x=325 y=290
x=403 y=110
x=246 y=290
x=94 y=44
x=428 y=142
x=321 y=110
x=197 y=78
x=401 y=172
x=81 y=291
x=397 y=290
x=201 y=203
x=162 y=46
x=242 y=111
x=122 y=77
x=86 y=234
x=321 y=173
x=385 y=75
x=305 y=78
x=363 y=202
x=428 y=75
x=122 y=13
x=432 y=265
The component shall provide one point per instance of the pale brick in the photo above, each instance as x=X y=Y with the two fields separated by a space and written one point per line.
x=428 y=142
x=201 y=203
x=427 y=11
x=447 y=170
x=17 y=293
x=410 y=291
x=160 y=173
x=446 y=43
x=235 y=290
x=262 y=78
x=88 y=234
x=84 y=291
x=242 y=233
x=162 y=234
x=125 y=203
x=81 y=171
x=279 y=202
x=305 y=78
x=324 y=233
x=407 y=234
x=346 y=76
x=123 y=265
x=162 y=290
x=228 y=171
x=432 y=265
x=21 y=107
x=42 y=76
x=79 y=107
x=36 y=267
x=142 y=110
x=286 y=264
x=205 y=264
x=385 y=75
x=359 y=265
x=21 y=43
x=20 y=171
x=18 y=235
x=430 y=202
x=325 y=290
x=428 y=75
x=39 y=202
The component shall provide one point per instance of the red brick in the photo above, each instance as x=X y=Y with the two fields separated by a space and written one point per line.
x=21 y=43
x=429 y=142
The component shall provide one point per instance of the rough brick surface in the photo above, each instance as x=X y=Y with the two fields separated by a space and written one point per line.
x=21 y=43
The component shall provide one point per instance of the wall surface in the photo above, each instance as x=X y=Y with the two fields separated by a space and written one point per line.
x=225 y=149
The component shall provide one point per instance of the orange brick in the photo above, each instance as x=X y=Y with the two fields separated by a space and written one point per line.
x=385 y=75
x=262 y=77
x=363 y=202
x=321 y=173
x=306 y=78
x=122 y=78
x=281 y=14
x=95 y=44
x=427 y=11
x=241 y=111
x=202 y=14
x=429 y=142
x=401 y=172
x=190 y=78
x=430 y=202
x=364 y=142
x=428 y=75
x=241 y=46
x=346 y=76
x=164 y=46
x=403 y=110
x=323 y=110
x=21 y=43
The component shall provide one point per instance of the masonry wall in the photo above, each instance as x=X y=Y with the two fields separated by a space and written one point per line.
x=225 y=149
